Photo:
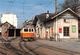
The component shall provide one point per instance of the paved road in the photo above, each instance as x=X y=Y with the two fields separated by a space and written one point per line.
x=72 y=45
x=44 y=47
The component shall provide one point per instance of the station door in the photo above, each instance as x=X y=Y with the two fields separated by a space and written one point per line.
x=11 y=32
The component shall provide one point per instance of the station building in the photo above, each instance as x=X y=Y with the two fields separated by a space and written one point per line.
x=64 y=25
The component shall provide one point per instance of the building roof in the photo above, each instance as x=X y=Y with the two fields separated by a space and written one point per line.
x=42 y=17
x=7 y=23
x=68 y=9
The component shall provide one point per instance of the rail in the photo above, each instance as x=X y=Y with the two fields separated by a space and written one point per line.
x=10 y=46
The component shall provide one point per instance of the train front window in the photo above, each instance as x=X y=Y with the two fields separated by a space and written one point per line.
x=29 y=30
x=26 y=30
x=32 y=30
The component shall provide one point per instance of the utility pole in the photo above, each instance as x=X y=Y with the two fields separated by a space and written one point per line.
x=56 y=5
x=56 y=9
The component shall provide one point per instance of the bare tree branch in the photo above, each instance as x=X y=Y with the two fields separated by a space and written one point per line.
x=73 y=4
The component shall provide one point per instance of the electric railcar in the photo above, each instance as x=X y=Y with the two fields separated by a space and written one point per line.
x=28 y=34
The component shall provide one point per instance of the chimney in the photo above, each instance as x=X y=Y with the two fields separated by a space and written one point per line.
x=47 y=14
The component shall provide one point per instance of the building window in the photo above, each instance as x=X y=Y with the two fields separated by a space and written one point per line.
x=66 y=20
x=66 y=31
x=73 y=28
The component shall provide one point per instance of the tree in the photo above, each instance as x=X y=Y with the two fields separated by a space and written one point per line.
x=73 y=4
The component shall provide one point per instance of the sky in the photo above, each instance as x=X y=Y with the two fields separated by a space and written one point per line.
x=27 y=9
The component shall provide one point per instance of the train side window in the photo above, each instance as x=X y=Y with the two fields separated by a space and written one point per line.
x=32 y=30
x=26 y=30
x=29 y=30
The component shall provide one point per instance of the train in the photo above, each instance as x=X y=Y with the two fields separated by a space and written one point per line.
x=27 y=34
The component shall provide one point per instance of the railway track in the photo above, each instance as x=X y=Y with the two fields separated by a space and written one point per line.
x=3 y=49
x=16 y=50
x=9 y=47
x=25 y=49
x=19 y=50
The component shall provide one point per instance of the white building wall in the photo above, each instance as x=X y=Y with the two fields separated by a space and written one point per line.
x=10 y=18
x=60 y=24
x=74 y=34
